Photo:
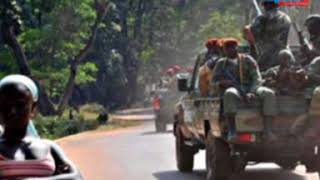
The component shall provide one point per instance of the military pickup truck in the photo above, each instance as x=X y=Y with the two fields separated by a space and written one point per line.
x=199 y=125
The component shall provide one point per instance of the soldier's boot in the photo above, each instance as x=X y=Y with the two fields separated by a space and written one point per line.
x=232 y=132
x=267 y=125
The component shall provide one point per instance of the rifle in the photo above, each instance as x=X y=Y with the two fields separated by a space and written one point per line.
x=306 y=49
x=255 y=3
x=249 y=35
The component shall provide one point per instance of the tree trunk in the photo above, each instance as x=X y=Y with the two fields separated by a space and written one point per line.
x=68 y=90
x=101 y=12
x=46 y=107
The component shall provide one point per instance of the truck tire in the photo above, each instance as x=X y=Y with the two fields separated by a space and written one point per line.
x=313 y=165
x=218 y=160
x=238 y=165
x=287 y=165
x=184 y=154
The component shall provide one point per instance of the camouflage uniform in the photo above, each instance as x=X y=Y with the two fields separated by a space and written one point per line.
x=209 y=59
x=270 y=31
x=314 y=77
x=248 y=82
x=313 y=70
x=316 y=45
x=286 y=77
x=207 y=63
x=313 y=73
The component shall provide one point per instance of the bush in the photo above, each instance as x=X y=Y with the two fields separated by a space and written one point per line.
x=52 y=127
x=93 y=108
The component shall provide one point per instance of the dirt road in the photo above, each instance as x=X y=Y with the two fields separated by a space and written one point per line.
x=141 y=154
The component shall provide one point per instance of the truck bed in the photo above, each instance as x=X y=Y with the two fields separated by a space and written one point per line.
x=292 y=111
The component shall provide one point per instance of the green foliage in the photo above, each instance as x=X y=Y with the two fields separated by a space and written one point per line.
x=8 y=64
x=87 y=73
x=147 y=54
x=93 y=108
x=221 y=25
x=84 y=120
x=10 y=13
x=63 y=33
x=53 y=128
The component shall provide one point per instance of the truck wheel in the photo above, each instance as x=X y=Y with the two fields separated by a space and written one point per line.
x=238 y=165
x=313 y=165
x=218 y=160
x=184 y=154
x=287 y=165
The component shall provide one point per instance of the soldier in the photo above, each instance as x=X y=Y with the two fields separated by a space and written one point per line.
x=238 y=75
x=287 y=78
x=312 y=72
x=208 y=62
x=313 y=25
x=313 y=69
x=211 y=54
x=269 y=33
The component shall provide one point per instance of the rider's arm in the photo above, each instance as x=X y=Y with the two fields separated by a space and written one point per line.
x=65 y=169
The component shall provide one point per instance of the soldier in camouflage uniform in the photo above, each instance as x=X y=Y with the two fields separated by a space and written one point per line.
x=208 y=61
x=270 y=33
x=239 y=77
x=286 y=78
x=313 y=71
x=212 y=53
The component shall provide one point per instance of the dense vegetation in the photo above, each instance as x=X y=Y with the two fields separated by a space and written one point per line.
x=105 y=51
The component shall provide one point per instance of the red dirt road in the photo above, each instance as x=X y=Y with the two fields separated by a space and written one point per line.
x=140 y=154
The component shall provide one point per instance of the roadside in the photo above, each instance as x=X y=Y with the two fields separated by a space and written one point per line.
x=120 y=121
x=90 y=117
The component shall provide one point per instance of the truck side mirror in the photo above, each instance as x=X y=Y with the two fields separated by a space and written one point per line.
x=183 y=81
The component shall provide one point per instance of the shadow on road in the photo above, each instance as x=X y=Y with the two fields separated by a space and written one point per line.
x=176 y=175
x=155 y=133
x=265 y=174
x=248 y=175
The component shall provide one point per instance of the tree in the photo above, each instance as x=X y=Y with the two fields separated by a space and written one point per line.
x=11 y=26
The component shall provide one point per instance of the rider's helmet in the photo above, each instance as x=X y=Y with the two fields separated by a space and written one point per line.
x=23 y=80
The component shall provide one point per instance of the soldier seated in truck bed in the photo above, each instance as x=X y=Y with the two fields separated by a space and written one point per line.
x=286 y=78
x=238 y=77
x=208 y=61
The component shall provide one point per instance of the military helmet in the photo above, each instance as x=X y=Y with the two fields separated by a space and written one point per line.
x=313 y=20
x=286 y=53
x=313 y=24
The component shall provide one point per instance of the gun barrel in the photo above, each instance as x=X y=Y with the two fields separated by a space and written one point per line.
x=255 y=3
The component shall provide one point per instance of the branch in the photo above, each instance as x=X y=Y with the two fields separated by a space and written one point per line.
x=101 y=13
